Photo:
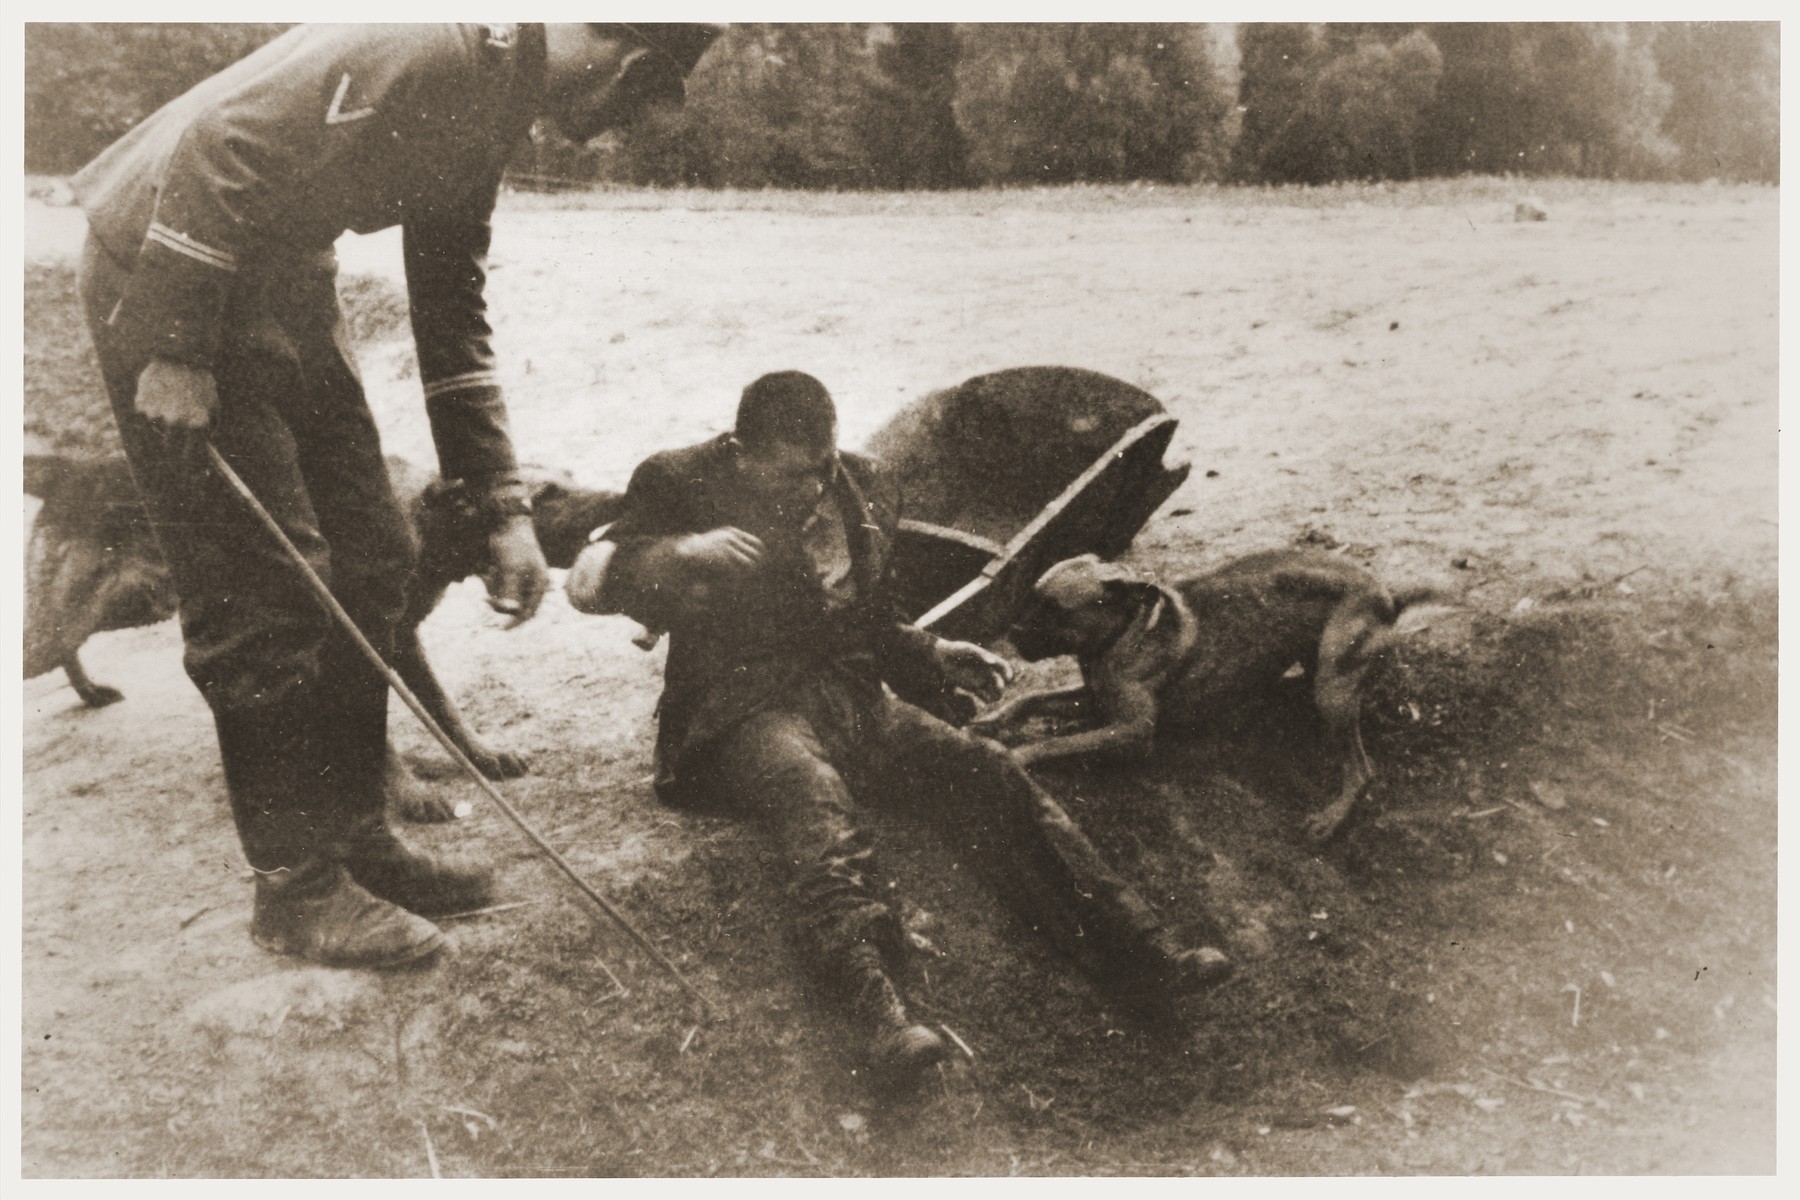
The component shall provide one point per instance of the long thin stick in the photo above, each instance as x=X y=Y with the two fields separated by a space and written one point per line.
x=430 y=1151
x=323 y=593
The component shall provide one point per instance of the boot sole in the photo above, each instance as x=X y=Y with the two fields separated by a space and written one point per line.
x=902 y=1078
x=425 y=903
x=434 y=907
x=1203 y=976
x=413 y=956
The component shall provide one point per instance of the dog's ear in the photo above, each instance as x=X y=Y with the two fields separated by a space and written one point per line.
x=1070 y=583
x=549 y=492
x=1107 y=583
x=1112 y=572
x=1082 y=566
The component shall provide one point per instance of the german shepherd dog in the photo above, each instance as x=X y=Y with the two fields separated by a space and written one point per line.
x=1153 y=656
x=92 y=564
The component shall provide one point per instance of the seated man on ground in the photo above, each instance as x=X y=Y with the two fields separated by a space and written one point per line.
x=764 y=552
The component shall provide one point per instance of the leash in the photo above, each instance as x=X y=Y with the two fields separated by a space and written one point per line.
x=324 y=596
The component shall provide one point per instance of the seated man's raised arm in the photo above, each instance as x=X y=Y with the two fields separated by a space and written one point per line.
x=658 y=563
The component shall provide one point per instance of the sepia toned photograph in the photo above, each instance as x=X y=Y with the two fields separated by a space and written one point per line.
x=899 y=600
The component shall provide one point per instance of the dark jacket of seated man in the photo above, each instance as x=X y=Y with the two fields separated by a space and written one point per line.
x=764 y=554
x=736 y=645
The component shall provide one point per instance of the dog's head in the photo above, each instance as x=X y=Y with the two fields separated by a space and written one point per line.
x=1077 y=606
x=565 y=513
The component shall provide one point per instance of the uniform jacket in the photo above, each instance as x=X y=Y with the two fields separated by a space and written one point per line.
x=323 y=130
x=732 y=651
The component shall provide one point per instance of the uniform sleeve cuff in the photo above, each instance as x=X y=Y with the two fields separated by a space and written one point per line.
x=468 y=425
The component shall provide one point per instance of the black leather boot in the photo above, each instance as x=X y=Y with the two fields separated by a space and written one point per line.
x=315 y=911
x=1174 y=970
x=897 y=1052
x=425 y=883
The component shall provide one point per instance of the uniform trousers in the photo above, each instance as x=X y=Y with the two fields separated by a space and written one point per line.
x=301 y=716
x=797 y=764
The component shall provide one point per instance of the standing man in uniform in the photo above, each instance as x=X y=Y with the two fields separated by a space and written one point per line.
x=765 y=553
x=209 y=284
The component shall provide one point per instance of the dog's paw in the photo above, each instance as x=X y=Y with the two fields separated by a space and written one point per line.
x=410 y=799
x=421 y=807
x=99 y=696
x=500 y=764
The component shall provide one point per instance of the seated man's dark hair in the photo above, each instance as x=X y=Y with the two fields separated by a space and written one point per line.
x=790 y=407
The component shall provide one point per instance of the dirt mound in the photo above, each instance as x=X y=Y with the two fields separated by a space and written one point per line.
x=1513 y=758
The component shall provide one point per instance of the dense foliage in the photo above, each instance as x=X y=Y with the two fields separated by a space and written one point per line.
x=85 y=85
x=934 y=105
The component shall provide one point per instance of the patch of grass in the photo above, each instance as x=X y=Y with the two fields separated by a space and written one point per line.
x=66 y=410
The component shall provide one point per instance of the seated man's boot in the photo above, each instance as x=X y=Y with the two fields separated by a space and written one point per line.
x=317 y=912
x=898 y=1051
x=1175 y=971
x=425 y=883
x=1198 y=970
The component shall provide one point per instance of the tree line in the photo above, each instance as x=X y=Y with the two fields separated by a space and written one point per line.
x=960 y=105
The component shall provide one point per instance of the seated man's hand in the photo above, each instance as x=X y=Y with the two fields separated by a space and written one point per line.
x=727 y=552
x=979 y=672
x=585 y=585
x=520 y=575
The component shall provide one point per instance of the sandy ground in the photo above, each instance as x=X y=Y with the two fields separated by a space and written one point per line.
x=1593 y=390
x=1406 y=372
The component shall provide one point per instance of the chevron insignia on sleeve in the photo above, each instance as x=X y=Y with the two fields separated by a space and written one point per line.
x=458 y=383
x=181 y=243
x=337 y=114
